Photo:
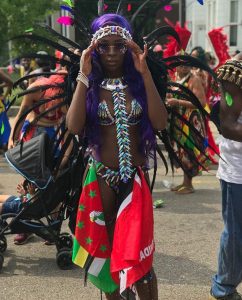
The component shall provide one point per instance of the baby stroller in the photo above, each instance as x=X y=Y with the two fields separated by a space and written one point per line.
x=34 y=161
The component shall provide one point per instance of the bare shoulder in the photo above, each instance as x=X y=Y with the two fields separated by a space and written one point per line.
x=195 y=81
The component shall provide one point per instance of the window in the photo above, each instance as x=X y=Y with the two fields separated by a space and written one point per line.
x=234 y=16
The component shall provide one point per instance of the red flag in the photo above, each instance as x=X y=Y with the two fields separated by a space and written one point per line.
x=133 y=243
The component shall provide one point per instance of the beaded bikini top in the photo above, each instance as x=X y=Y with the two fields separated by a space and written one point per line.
x=106 y=118
x=122 y=120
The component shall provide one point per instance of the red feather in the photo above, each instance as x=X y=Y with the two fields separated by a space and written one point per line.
x=219 y=41
x=172 y=47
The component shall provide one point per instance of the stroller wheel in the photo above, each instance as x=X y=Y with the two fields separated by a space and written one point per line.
x=64 y=259
x=65 y=241
x=3 y=244
x=1 y=261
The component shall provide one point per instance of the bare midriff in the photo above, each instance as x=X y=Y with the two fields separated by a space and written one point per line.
x=108 y=137
x=43 y=121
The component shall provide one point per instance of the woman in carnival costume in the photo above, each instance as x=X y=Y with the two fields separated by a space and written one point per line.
x=183 y=136
x=200 y=54
x=117 y=111
x=44 y=94
x=187 y=128
x=117 y=106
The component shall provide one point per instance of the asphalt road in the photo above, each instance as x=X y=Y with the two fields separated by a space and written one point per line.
x=187 y=231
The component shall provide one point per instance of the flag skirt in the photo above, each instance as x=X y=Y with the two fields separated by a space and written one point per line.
x=131 y=255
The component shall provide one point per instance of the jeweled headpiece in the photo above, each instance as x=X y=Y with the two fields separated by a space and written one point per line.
x=111 y=30
x=231 y=71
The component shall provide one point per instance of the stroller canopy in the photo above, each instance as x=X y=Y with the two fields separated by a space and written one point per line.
x=30 y=159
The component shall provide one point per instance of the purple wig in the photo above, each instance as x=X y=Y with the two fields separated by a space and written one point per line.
x=135 y=84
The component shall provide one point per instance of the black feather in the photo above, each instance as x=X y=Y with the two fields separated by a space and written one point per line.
x=192 y=128
x=59 y=36
x=36 y=105
x=119 y=6
x=55 y=45
x=138 y=11
x=159 y=32
x=187 y=60
x=27 y=77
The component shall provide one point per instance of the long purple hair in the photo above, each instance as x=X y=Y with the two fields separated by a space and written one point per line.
x=135 y=84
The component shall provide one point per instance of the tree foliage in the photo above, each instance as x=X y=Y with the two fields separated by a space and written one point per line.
x=18 y=16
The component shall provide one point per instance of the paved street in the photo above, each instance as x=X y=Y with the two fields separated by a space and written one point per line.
x=187 y=233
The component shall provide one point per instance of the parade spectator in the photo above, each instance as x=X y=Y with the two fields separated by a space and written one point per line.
x=229 y=274
x=25 y=69
x=43 y=66
x=5 y=88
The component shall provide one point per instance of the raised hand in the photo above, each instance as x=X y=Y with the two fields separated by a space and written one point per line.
x=86 y=59
x=139 y=57
x=20 y=189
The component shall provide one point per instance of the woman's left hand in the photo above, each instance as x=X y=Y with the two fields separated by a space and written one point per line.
x=139 y=57
x=172 y=102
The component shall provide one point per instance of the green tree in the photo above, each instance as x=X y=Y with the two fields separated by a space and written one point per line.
x=18 y=16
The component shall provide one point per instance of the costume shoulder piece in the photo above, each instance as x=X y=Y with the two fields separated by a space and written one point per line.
x=231 y=71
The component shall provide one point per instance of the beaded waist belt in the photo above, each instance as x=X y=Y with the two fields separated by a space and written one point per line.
x=111 y=177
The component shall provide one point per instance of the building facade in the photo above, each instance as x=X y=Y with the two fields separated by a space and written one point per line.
x=214 y=14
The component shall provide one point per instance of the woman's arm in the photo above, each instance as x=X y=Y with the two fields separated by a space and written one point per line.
x=76 y=115
x=8 y=83
x=26 y=104
x=197 y=88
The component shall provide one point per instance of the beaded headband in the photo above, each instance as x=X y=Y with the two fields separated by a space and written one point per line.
x=231 y=71
x=111 y=30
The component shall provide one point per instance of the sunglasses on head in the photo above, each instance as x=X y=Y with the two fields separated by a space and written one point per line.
x=103 y=48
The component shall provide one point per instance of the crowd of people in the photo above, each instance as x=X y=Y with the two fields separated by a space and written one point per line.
x=117 y=108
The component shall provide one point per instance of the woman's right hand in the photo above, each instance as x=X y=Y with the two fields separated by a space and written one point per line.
x=86 y=59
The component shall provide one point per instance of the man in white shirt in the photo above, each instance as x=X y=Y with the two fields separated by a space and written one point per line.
x=229 y=273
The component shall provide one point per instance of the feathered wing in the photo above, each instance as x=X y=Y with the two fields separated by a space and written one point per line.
x=161 y=69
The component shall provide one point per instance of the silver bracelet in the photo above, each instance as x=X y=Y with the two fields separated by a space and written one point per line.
x=83 y=78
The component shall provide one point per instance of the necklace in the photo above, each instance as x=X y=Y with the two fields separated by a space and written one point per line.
x=111 y=84
x=117 y=86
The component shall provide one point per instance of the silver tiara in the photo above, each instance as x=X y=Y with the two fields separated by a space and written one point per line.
x=111 y=30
